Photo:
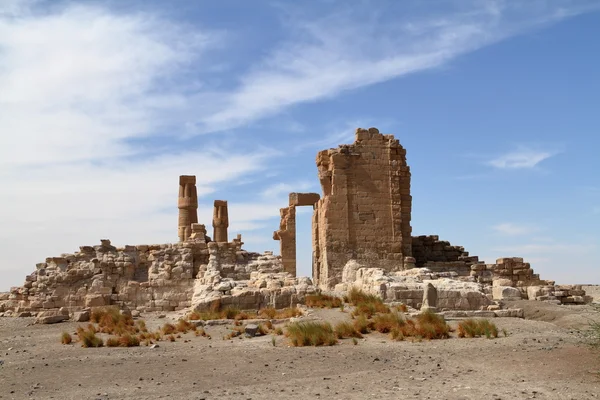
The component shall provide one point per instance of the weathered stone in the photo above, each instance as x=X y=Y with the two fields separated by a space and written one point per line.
x=430 y=298
x=81 y=316
x=506 y=293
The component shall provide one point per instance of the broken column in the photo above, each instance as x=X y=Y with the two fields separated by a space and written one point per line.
x=188 y=206
x=287 y=238
x=220 y=221
x=365 y=211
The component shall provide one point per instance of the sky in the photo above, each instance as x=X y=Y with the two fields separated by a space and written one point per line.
x=103 y=104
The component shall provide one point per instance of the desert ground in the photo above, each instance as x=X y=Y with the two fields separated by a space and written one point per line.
x=544 y=356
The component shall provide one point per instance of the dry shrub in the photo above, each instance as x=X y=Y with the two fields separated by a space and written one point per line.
x=88 y=338
x=323 y=301
x=112 y=342
x=171 y=338
x=362 y=324
x=142 y=326
x=128 y=340
x=432 y=326
x=242 y=316
x=235 y=332
x=311 y=334
x=366 y=304
x=346 y=330
x=200 y=332
x=278 y=331
x=230 y=312
x=402 y=308
x=476 y=328
x=168 y=329
x=66 y=338
x=273 y=313
x=263 y=329
x=184 y=326
x=111 y=321
x=385 y=323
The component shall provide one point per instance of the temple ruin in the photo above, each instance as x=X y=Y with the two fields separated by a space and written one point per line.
x=361 y=238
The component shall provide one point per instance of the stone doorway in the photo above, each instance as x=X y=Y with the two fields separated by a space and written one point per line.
x=287 y=228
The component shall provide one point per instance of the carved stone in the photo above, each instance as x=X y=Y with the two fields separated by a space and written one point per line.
x=220 y=221
x=188 y=206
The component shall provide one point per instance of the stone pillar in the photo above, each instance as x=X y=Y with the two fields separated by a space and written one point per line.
x=220 y=221
x=188 y=206
x=287 y=239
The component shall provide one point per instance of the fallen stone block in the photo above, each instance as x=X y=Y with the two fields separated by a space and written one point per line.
x=81 y=316
x=51 y=319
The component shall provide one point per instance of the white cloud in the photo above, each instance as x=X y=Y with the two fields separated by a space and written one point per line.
x=521 y=158
x=333 y=53
x=512 y=229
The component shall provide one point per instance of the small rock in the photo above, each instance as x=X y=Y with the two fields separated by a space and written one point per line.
x=154 y=346
x=251 y=330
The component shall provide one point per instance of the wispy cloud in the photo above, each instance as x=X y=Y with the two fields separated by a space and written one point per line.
x=330 y=54
x=512 y=229
x=521 y=158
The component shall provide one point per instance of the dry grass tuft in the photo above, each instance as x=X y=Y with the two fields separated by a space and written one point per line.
x=66 y=338
x=323 y=301
x=362 y=324
x=184 y=326
x=168 y=329
x=385 y=323
x=366 y=304
x=402 y=308
x=346 y=330
x=311 y=334
x=476 y=328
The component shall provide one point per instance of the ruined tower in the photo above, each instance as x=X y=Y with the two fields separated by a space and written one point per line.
x=365 y=211
x=220 y=221
x=188 y=206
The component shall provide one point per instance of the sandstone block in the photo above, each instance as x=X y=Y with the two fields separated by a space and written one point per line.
x=506 y=293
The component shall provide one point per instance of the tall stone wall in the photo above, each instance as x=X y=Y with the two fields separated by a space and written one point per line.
x=365 y=210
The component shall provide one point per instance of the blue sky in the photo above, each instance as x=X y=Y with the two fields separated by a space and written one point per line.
x=103 y=104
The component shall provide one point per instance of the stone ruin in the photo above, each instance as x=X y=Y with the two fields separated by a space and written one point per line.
x=361 y=237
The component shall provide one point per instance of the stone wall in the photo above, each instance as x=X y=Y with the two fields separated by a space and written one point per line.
x=364 y=213
x=155 y=277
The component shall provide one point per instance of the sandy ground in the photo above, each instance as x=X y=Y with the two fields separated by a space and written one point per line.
x=542 y=358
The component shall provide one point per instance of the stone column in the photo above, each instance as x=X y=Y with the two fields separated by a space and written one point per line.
x=220 y=221
x=188 y=206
